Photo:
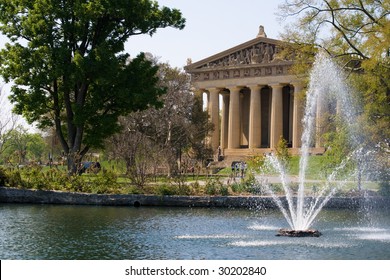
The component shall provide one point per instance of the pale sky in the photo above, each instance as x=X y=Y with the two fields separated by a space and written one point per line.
x=212 y=26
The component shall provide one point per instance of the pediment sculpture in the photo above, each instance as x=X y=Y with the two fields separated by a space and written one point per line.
x=261 y=56
x=257 y=54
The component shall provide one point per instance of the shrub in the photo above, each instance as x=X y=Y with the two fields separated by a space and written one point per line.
x=196 y=188
x=165 y=190
x=3 y=177
x=105 y=182
x=214 y=186
x=14 y=178
x=77 y=184
x=256 y=162
x=384 y=188
x=224 y=190
x=239 y=187
x=211 y=189
x=257 y=189
x=277 y=188
x=133 y=190
x=34 y=178
x=184 y=190
x=282 y=153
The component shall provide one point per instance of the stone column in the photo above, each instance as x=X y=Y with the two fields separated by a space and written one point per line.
x=213 y=107
x=255 y=117
x=297 y=115
x=225 y=120
x=276 y=114
x=234 y=118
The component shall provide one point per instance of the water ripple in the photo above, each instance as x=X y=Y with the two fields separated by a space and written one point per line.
x=263 y=227
x=361 y=229
x=289 y=242
x=384 y=237
x=218 y=236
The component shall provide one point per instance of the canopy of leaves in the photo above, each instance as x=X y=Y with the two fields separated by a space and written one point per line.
x=357 y=34
x=67 y=62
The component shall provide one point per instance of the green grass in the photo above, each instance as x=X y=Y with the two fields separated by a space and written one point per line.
x=316 y=167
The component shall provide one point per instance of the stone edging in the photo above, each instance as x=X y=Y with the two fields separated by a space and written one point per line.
x=12 y=195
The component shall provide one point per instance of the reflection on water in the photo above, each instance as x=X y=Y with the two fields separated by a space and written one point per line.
x=87 y=232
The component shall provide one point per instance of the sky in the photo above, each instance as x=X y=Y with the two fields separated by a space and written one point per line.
x=212 y=26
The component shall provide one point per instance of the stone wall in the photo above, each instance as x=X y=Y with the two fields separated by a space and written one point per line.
x=11 y=195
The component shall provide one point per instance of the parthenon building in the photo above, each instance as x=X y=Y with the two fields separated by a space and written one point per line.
x=261 y=100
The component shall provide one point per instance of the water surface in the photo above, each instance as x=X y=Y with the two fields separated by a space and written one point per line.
x=91 y=232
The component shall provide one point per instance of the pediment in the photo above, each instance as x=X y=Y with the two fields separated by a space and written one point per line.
x=260 y=51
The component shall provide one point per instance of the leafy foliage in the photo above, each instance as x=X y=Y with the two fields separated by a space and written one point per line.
x=282 y=153
x=67 y=62
x=22 y=147
x=34 y=177
x=356 y=33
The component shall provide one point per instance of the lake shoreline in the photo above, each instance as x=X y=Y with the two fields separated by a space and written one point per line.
x=27 y=196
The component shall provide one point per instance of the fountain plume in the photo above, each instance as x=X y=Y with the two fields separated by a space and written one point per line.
x=327 y=90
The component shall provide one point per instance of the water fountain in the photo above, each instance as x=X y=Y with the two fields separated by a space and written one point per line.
x=327 y=91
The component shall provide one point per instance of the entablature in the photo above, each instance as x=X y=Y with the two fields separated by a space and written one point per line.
x=256 y=58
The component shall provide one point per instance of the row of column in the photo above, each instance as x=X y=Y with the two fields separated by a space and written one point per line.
x=230 y=122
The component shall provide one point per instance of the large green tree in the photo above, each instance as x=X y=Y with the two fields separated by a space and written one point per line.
x=67 y=62
x=357 y=34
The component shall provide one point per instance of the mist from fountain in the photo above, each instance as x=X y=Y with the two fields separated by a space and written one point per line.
x=327 y=91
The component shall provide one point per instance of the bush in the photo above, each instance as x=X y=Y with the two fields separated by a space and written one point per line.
x=277 y=188
x=282 y=153
x=384 y=188
x=14 y=179
x=184 y=190
x=224 y=190
x=257 y=190
x=77 y=184
x=214 y=187
x=256 y=162
x=133 y=190
x=105 y=182
x=165 y=190
x=196 y=188
x=245 y=185
x=211 y=189
x=238 y=187
x=3 y=177
x=34 y=178
x=262 y=189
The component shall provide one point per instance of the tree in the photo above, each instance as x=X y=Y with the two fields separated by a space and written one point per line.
x=23 y=147
x=70 y=71
x=36 y=147
x=357 y=34
x=136 y=149
x=8 y=122
x=282 y=153
x=171 y=133
x=357 y=29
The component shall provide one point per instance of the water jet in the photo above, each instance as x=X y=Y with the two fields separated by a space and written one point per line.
x=327 y=92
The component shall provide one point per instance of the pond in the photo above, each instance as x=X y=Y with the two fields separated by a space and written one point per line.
x=120 y=233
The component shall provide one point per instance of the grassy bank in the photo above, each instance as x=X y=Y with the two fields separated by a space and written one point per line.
x=112 y=179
